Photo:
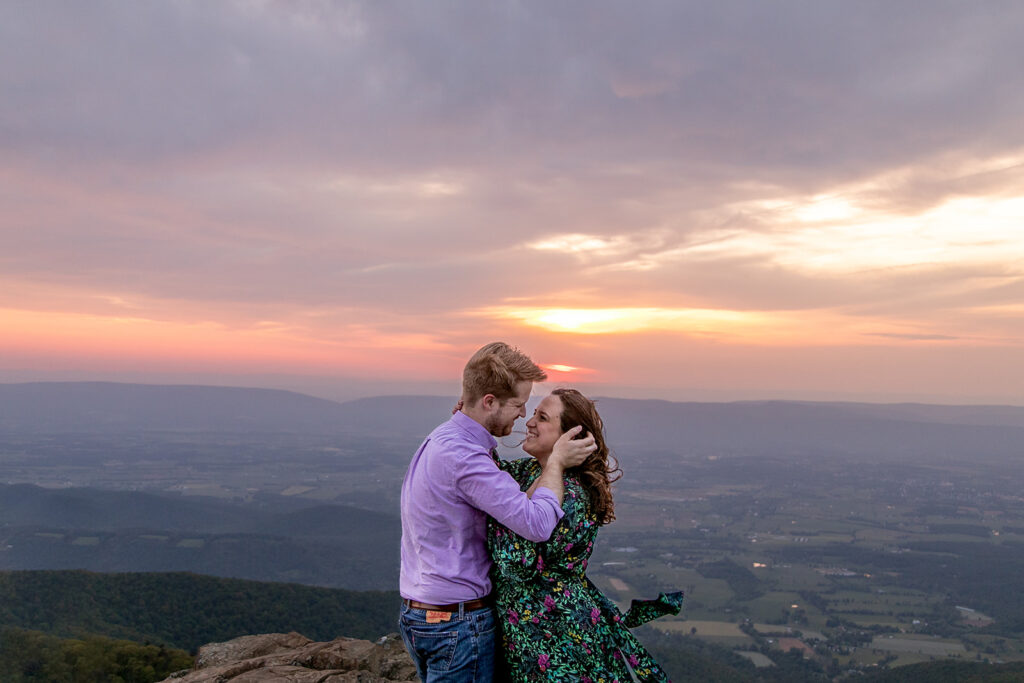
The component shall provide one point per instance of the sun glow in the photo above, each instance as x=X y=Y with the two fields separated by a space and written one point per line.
x=561 y=368
x=624 y=320
x=805 y=327
x=584 y=321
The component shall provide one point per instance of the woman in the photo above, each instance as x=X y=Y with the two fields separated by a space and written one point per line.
x=556 y=625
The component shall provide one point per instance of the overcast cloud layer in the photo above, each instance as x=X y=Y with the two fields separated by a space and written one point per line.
x=758 y=197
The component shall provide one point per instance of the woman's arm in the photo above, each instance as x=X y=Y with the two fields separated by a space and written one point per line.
x=566 y=552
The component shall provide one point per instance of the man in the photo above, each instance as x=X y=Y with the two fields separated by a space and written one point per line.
x=452 y=485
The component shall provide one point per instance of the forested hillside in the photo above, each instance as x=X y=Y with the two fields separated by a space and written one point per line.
x=950 y=672
x=33 y=656
x=186 y=610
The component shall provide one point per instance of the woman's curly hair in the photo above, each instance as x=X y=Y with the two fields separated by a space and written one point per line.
x=600 y=469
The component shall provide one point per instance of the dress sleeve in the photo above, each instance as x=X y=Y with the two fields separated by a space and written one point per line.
x=642 y=611
x=565 y=553
x=514 y=555
x=572 y=541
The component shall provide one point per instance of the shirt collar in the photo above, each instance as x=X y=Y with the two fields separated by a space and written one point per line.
x=475 y=430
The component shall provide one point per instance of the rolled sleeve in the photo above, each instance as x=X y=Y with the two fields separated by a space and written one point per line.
x=487 y=488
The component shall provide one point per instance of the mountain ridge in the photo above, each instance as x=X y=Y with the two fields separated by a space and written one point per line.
x=112 y=405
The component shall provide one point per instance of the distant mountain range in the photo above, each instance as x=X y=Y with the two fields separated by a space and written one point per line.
x=741 y=427
x=105 y=407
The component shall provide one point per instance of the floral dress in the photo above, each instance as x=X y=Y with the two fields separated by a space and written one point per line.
x=556 y=625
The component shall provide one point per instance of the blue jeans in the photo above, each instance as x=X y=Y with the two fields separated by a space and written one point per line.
x=460 y=650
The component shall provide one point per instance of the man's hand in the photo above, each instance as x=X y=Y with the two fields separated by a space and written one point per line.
x=569 y=452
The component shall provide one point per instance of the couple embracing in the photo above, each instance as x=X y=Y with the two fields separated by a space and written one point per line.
x=494 y=552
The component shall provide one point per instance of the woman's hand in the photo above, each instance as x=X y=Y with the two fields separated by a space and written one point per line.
x=569 y=452
x=566 y=453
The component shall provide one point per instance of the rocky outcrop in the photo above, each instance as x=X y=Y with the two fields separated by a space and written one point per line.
x=295 y=658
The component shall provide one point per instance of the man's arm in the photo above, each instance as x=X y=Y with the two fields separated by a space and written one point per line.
x=493 y=491
x=566 y=453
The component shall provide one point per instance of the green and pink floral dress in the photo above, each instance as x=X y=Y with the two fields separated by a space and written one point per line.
x=556 y=625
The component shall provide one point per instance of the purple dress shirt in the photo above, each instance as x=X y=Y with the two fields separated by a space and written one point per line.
x=450 y=488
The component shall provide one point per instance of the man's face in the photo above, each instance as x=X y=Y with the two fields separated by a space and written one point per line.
x=505 y=413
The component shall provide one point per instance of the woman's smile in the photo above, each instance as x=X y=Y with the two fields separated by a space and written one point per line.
x=544 y=428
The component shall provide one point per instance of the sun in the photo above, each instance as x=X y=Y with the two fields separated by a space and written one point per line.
x=561 y=368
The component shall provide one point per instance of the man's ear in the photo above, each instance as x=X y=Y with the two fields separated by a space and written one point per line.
x=489 y=402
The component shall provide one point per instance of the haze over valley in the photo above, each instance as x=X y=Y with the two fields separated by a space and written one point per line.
x=862 y=533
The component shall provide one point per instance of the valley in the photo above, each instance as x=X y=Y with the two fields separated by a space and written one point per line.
x=849 y=535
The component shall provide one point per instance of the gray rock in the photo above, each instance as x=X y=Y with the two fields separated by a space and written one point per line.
x=295 y=658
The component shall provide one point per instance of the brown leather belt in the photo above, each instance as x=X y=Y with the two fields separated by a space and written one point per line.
x=467 y=606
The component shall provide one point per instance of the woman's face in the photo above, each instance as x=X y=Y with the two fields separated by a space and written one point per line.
x=544 y=428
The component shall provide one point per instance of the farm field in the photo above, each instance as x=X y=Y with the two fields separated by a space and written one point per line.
x=864 y=567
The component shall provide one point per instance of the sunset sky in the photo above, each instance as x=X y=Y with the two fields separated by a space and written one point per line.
x=683 y=200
